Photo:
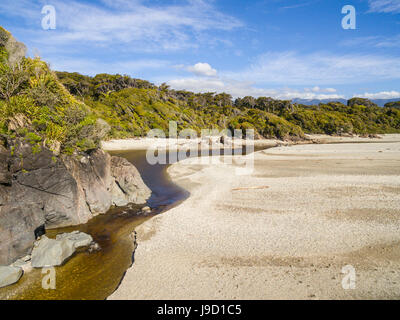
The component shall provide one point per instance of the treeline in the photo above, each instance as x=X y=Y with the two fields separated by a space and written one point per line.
x=133 y=106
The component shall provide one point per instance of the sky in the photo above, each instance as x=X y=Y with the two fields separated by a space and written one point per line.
x=280 y=48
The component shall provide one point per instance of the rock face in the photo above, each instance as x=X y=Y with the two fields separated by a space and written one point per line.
x=9 y=275
x=40 y=189
x=17 y=230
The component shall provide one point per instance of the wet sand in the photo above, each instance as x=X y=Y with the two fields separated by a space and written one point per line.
x=284 y=232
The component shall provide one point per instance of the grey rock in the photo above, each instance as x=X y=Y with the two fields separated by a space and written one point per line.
x=80 y=239
x=5 y=176
x=94 y=247
x=94 y=180
x=50 y=253
x=146 y=209
x=84 y=160
x=128 y=186
x=18 y=224
x=9 y=275
x=37 y=189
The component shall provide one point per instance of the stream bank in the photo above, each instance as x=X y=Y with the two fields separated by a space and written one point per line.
x=95 y=276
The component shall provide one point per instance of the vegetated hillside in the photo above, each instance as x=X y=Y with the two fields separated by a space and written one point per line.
x=133 y=106
x=69 y=112
x=36 y=107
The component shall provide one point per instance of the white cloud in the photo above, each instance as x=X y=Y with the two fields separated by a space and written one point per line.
x=385 y=6
x=134 y=23
x=241 y=89
x=318 y=89
x=330 y=90
x=292 y=68
x=380 y=95
x=299 y=5
x=202 y=69
x=284 y=69
x=374 y=41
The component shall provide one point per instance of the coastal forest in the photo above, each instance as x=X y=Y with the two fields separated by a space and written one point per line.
x=69 y=112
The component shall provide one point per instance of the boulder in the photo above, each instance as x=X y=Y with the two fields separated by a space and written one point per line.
x=94 y=247
x=79 y=239
x=128 y=186
x=50 y=253
x=9 y=275
x=146 y=209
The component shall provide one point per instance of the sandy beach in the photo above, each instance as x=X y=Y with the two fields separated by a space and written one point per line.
x=283 y=232
x=179 y=143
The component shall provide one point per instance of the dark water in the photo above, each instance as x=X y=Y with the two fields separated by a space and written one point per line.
x=164 y=192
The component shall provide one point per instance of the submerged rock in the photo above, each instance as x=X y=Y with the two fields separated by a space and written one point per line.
x=9 y=275
x=94 y=247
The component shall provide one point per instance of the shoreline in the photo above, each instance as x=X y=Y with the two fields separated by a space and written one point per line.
x=132 y=144
x=213 y=245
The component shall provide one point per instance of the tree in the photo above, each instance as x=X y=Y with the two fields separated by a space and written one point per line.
x=12 y=69
x=223 y=99
x=12 y=78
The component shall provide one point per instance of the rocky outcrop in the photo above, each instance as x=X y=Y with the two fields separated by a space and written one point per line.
x=38 y=189
x=9 y=275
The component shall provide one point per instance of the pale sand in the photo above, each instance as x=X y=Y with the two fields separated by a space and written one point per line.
x=145 y=143
x=285 y=232
x=177 y=144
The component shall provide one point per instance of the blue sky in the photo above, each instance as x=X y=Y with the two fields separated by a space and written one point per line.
x=279 y=48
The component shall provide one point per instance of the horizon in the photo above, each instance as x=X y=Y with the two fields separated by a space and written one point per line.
x=285 y=49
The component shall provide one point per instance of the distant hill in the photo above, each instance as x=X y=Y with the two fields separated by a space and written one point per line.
x=313 y=102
